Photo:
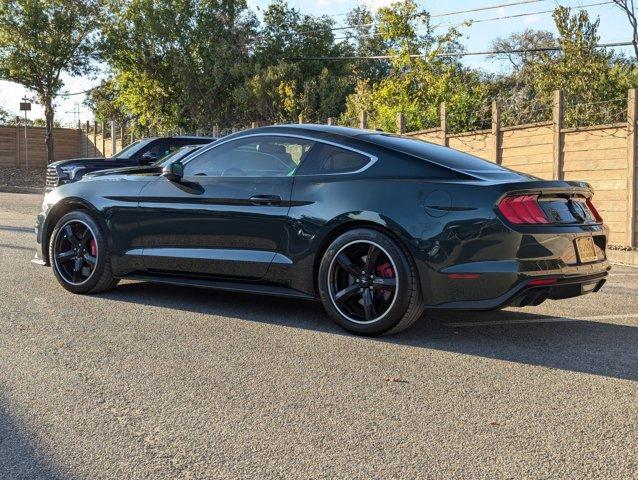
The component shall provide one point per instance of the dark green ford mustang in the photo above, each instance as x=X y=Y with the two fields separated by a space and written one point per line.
x=375 y=226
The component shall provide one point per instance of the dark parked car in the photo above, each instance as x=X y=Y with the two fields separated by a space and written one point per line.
x=141 y=152
x=376 y=226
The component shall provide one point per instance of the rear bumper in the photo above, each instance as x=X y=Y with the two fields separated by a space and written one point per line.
x=525 y=294
x=490 y=266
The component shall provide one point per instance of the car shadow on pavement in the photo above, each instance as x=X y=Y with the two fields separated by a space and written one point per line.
x=594 y=347
x=19 y=458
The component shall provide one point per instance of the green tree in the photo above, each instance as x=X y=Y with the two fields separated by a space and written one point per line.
x=176 y=63
x=366 y=41
x=40 y=40
x=420 y=77
x=6 y=117
x=587 y=75
x=287 y=80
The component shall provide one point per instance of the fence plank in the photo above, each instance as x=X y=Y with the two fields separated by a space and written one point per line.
x=557 y=123
x=632 y=116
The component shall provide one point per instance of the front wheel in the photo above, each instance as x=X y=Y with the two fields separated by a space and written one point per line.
x=79 y=254
x=368 y=284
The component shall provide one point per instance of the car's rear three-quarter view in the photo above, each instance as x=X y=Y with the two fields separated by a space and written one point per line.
x=377 y=227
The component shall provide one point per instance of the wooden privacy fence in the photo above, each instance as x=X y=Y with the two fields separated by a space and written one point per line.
x=602 y=155
x=88 y=140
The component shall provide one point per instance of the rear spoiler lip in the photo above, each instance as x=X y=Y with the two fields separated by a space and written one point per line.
x=547 y=187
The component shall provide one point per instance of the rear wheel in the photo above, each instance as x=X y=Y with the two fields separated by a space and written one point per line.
x=368 y=284
x=79 y=254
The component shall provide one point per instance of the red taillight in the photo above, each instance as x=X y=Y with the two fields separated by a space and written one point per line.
x=593 y=211
x=522 y=209
x=543 y=281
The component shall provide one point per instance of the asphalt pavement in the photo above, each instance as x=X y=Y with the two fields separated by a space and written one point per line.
x=150 y=381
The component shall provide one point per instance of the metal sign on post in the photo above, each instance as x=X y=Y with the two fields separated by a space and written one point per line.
x=25 y=106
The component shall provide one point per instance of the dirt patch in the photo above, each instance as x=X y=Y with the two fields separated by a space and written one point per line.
x=21 y=177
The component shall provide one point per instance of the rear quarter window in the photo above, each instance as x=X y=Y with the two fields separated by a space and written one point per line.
x=329 y=159
x=438 y=154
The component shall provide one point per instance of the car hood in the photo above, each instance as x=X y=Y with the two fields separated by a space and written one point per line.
x=85 y=162
x=140 y=170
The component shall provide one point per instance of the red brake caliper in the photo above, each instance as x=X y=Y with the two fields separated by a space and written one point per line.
x=93 y=247
x=385 y=270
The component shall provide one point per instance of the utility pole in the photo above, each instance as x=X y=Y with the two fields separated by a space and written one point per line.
x=25 y=106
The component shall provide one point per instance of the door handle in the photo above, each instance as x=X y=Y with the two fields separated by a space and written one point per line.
x=265 y=199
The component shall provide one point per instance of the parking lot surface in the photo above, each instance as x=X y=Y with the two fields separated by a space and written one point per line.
x=150 y=381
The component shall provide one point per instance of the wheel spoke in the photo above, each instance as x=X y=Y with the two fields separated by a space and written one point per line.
x=86 y=237
x=77 y=270
x=347 y=293
x=368 y=305
x=65 y=256
x=345 y=263
x=90 y=259
x=385 y=283
x=371 y=259
x=70 y=236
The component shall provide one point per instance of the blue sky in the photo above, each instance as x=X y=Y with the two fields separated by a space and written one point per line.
x=613 y=28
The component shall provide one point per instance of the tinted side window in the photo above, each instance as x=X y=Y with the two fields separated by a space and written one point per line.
x=263 y=156
x=326 y=159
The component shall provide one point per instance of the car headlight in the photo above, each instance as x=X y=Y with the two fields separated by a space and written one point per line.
x=70 y=171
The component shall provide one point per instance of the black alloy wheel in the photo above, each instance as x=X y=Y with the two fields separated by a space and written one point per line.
x=75 y=252
x=363 y=282
x=79 y=254
x=368 y=283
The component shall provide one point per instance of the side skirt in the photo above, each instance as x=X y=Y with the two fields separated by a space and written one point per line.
x=229 y=286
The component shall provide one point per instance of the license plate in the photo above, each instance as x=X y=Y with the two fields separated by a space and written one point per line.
x=586 y=249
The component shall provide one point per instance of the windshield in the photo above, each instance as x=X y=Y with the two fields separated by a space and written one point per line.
x=129 y=150
x=176 y=155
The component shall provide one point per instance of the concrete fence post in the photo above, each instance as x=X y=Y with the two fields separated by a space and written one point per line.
x=85 y=138
x=215 y=130
x=496 y=133
x=330 y=121
x=18 y=144
x=94 y=138
x=103 y=132
x=400 y=123
x=632 y=117
x=363 y=119
x=444 y=128
x=301 y=119
x=557 y=120
x=113 y=139
x=253 y=124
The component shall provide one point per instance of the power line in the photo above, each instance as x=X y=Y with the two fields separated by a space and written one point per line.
x=518 y=15
x=77 y=93
x=492 y=7
x=462 y=54
x=439 y=15
x=469 y=23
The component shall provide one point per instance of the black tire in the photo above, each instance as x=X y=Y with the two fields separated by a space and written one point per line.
x=94 y=277
x=395 y=308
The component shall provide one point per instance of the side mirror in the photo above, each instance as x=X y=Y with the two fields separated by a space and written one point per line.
x=148 y=158
x=173 y=171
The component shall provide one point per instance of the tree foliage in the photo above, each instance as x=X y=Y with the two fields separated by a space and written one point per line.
x=191 y=64
x=40 y=40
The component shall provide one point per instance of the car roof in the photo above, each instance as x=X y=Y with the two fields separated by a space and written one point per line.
x=182 y=137
x=311 y=128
